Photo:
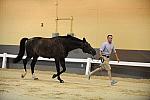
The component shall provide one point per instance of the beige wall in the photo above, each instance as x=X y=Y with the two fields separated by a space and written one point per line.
x=127 y=20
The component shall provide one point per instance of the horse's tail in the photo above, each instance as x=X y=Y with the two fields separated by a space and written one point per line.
x=21 y=51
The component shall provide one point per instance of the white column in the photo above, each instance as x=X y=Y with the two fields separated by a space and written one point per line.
x=88 y=65
x=4 y=60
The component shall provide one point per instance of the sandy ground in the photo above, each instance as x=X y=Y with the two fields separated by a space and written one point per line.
x=76 y=87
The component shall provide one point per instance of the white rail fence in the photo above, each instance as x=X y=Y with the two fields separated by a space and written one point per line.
x=88 y=61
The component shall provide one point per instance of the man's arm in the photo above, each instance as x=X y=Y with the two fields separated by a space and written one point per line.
x=116 y=54
x=100 y=50
x=117 y=57
x=100 y=53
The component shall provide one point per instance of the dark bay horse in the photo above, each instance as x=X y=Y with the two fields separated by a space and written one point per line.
x=57 y=48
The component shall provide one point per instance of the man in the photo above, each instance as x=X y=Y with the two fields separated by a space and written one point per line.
x=105 y=51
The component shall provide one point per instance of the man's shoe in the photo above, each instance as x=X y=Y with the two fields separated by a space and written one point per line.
x=113 y=82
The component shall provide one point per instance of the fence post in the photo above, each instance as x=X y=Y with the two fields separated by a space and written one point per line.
x=88 y=65
x=4 y=60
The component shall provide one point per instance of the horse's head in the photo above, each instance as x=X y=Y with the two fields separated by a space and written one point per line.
x=86 y=48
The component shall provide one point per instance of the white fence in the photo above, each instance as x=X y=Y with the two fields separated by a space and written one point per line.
x=88 y=61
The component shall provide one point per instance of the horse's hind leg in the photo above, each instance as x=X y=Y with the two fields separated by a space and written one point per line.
x=32 y=67
x=25 y=61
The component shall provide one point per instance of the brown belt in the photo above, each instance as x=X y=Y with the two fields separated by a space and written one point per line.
x=105 y=56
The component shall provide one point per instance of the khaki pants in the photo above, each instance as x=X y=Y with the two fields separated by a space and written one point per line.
x=105 y=65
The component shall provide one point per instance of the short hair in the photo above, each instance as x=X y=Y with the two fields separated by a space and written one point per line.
x=109 y=35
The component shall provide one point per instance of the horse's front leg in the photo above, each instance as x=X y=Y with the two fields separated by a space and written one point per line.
x=58 y=71
x=62 y=62
x=57 y=68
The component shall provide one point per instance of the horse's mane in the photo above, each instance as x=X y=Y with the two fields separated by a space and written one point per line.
x=71 y=38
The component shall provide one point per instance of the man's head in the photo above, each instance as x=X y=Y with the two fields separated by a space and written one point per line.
x=109 y=38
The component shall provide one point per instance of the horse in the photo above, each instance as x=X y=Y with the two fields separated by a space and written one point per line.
x=56 y=47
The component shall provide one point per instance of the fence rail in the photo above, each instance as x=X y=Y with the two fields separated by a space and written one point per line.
x=77 y=60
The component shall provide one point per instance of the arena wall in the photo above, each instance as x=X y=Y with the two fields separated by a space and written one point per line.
x=127 y=20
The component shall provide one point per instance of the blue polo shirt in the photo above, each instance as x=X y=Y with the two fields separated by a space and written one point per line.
x=107 y=48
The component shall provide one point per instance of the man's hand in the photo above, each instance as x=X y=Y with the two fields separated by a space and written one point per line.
x=102 y=59
x=118 y=60
x=117 y=57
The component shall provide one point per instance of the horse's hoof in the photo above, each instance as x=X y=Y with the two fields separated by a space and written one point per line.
x=22 y=76
x=54 y=76
x=36 y=79
x=61 y=81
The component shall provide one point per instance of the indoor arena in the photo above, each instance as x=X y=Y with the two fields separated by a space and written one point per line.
x=75 y=49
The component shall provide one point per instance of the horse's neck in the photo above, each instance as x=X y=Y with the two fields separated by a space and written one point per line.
x=73 y=45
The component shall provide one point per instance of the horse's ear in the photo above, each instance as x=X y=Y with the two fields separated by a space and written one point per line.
x=84 y=40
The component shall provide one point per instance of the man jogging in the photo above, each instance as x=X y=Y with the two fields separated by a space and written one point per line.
x=105 y=51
